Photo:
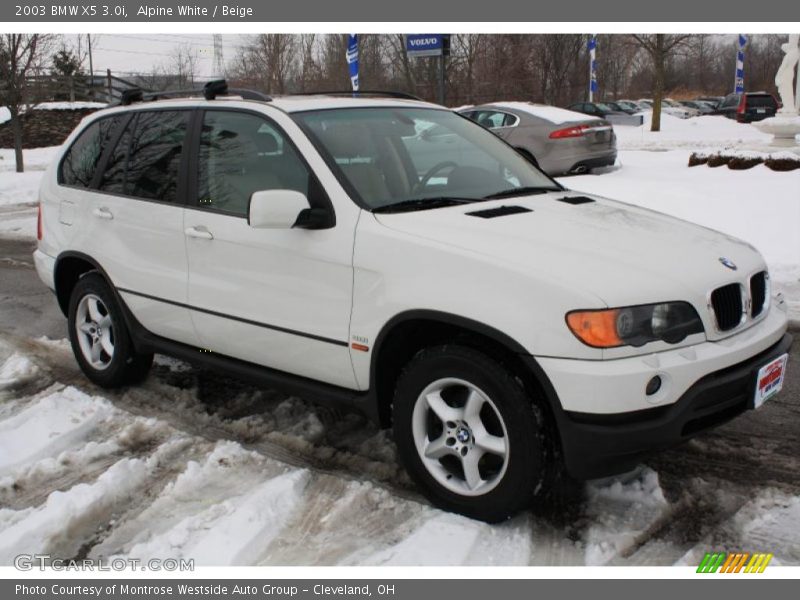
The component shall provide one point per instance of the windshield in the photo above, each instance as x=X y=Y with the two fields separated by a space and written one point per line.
x=418 y=157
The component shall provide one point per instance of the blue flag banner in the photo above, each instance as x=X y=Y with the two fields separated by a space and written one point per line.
x=352 y=60
x=738 y=86
x=592 y=46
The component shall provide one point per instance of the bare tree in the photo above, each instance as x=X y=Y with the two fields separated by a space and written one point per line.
x=660 y=47
x=20 y=56
x=184 y=65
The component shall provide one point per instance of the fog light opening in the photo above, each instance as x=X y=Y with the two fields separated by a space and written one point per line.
x=653 y=386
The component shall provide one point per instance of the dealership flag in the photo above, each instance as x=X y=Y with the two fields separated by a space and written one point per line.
x=352 y=59
x=738 y=87
x=592 y=66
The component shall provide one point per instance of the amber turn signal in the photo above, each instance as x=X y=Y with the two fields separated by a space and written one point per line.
x=597 y=328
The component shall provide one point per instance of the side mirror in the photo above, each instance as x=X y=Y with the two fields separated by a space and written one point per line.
x=276 y=209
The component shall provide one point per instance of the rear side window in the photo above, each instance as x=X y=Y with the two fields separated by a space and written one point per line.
x=155 y=154
x=80 y=161
x=145 y=161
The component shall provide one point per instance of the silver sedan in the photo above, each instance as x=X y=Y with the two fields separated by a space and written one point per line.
x=560 y=141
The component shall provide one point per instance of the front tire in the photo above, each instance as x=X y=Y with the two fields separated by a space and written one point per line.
x=99 y=337
x=469 y=434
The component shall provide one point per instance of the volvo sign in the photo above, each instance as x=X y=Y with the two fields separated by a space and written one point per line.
x=427 y=44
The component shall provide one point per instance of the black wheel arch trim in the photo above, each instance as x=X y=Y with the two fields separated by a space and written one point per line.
x=505 y=340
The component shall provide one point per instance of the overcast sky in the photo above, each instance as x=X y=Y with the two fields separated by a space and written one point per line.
x=137 y=53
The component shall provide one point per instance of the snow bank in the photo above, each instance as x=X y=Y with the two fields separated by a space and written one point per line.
x=50 y=425
x=22 y=188
x=697 y=132
x=619 y=513
x=82 y=507
x=17 y=370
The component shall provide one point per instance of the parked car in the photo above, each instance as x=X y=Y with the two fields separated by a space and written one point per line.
x=595 y=109
x=701 y=107
x=630 y=106
x=621 y=108
x=712 y=100
x=505 y=327
x=667 y=108
x=559 y=141
x=671 y=107
x=748 y=107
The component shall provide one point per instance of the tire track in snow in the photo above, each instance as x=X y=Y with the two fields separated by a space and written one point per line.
x=180 y=408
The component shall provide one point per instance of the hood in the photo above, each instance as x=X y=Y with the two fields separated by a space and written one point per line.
x=620 y=253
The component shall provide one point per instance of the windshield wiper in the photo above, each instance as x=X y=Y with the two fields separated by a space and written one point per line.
x=423 y=204
x=521 y=191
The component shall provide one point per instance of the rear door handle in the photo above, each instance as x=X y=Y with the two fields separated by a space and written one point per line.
x=198 y=232
x=103 y=213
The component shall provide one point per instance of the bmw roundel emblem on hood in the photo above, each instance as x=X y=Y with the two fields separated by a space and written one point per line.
x=728 y=263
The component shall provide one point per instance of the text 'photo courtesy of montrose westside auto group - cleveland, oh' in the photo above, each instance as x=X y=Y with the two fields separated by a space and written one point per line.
x=518 y=296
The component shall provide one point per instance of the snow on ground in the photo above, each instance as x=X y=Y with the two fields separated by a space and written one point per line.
x=695 y=133
x=758 y=205
x=22 y=188
x=6 y=116
x=83 y=475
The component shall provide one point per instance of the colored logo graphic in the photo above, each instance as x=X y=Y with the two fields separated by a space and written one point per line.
x=734 y=562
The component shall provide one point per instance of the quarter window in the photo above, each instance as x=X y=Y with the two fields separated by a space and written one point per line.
x=242 y=153
x=80 y=161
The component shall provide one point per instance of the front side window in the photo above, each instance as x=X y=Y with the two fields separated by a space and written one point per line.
x=80 y=161
x=412 y=155
x=242 y=153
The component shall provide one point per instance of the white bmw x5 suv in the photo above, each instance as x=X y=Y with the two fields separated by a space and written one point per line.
x=389 y=255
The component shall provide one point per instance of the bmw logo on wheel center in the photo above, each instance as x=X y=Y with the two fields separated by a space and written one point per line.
x=728 y=263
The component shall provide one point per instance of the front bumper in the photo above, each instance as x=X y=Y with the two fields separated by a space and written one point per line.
x=598 y=445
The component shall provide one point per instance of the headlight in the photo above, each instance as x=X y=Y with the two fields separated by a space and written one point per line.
x=670 y=322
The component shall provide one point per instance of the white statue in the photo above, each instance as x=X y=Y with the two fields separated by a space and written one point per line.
x=784 y=78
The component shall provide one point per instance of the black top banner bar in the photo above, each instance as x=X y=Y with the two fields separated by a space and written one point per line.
x=355 y=11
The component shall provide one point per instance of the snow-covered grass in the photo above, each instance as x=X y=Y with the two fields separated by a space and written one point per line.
x=695 y=133
x=22 y=188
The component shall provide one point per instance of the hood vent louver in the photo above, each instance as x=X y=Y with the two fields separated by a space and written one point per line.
x=575 y=200
x=500 y=211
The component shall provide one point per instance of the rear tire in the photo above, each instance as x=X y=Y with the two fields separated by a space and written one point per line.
x=470 y=435
x=99 y=337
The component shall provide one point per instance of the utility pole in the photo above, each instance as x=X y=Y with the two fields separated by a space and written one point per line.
x=91 y=66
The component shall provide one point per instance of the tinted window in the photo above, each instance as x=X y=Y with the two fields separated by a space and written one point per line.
x=761 y=100
x=155 y=154
x=242 y=153
x=145 y=161
x=80 y=161
x=731 y=100
x=113 y=180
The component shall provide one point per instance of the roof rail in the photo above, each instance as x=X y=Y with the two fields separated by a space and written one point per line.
x=209 y=91
x=389 y=94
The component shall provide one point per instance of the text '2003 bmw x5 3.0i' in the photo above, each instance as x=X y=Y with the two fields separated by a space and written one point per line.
x=387 y=254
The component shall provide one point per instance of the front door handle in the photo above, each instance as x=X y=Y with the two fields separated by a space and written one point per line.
x=200 y=233
x=103 y=213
